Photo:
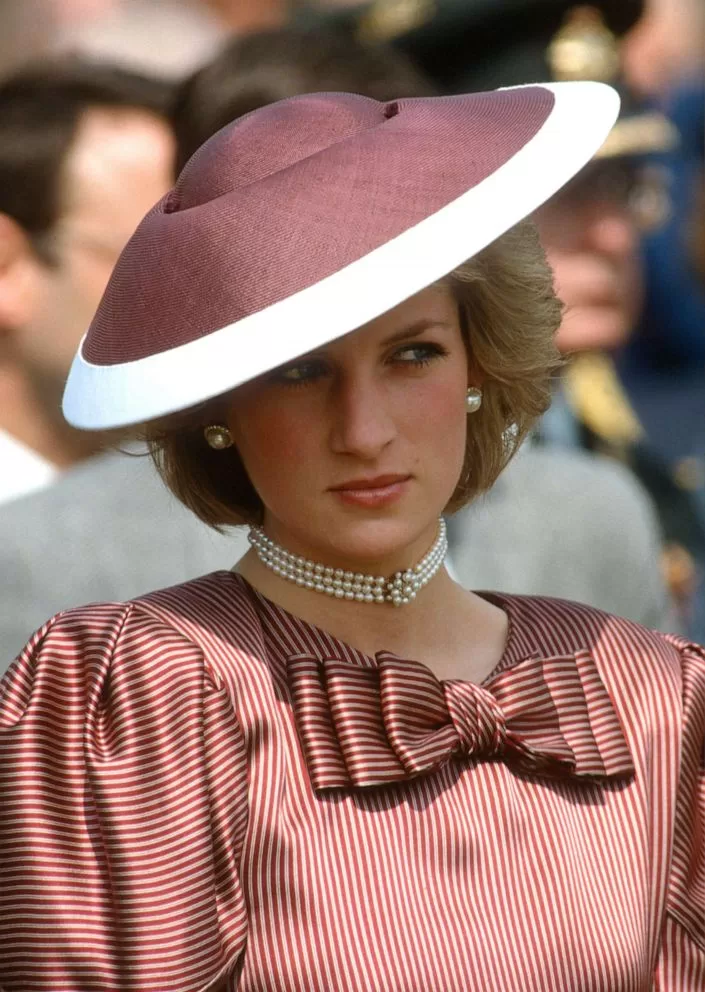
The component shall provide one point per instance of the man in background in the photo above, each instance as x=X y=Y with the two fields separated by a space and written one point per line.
x=85 y=152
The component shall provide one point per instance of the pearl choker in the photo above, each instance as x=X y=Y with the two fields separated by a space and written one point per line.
x=401 y=588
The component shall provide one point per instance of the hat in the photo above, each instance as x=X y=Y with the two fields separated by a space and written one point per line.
x=464 y=45
x=306 y=219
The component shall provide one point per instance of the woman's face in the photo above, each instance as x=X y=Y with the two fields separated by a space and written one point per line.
x=356 y=448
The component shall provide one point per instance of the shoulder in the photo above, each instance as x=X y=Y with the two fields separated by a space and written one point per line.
x=175 y=644
x=562 y=522
x=640 y=660
x=555 y=488
x=562 y=624
x=176 y=619
x=583 y=477
x=48 y=542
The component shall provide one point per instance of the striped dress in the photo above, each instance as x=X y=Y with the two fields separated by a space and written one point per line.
x=202 y=792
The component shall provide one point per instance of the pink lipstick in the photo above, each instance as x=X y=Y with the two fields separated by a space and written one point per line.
x=372 y=492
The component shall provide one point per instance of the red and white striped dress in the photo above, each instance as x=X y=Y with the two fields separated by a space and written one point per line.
x=201 y=792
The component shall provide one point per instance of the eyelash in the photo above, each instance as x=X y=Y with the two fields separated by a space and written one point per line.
x=432 y=352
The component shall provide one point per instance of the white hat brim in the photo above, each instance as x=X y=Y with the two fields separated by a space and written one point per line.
x=102 y=397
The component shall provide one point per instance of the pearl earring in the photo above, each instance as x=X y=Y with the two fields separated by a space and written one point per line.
x=218 y=436
x=473 y=400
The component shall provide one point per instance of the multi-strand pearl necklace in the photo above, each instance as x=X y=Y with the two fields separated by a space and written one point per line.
x=401 y=588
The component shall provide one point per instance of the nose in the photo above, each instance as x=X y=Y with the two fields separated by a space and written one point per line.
x=362 y=421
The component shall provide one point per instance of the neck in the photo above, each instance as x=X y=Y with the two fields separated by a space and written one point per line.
x=454 y=632
x=370 y=627
x=27 y=418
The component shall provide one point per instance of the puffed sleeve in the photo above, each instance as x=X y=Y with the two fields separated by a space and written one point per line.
x=124 y=802
x=681 y=965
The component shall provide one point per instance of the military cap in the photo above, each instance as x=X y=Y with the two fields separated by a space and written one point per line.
x=468 y=45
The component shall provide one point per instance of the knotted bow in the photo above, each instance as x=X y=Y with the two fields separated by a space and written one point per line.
x=365 y=726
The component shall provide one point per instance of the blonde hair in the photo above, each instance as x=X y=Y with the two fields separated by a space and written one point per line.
x=509 y=317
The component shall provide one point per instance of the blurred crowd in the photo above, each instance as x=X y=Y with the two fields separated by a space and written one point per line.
x=102 y=102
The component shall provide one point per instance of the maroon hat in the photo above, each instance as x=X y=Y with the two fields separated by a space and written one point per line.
x=306 y=219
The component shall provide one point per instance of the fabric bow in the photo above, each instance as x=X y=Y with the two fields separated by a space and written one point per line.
x=366 y=726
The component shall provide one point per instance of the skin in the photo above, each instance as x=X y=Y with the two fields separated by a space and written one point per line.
x=250 y=15
x=387 y=399
x=119 y=166
x=665 y=46
x=592 y=245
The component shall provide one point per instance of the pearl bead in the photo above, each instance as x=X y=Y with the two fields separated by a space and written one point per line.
x=400 y=589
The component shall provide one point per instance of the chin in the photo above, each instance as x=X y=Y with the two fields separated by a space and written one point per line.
x=377 y=543
x=377 y=539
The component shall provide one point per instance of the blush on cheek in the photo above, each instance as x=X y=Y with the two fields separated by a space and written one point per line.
x=273 y=445
x=439 y=425
x=440 y=405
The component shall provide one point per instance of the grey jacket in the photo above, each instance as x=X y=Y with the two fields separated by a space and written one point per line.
x=557 y=523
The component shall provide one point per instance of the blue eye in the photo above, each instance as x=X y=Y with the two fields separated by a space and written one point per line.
x=418 y=354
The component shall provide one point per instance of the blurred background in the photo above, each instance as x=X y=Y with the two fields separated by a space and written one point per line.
x=103 y=101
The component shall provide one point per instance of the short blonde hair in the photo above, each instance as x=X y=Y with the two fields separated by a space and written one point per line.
x=509 y=317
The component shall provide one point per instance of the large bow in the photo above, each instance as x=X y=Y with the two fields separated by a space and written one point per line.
x=364 y=726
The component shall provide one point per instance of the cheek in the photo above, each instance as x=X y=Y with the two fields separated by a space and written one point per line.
x=274 y=443
x=436 y=420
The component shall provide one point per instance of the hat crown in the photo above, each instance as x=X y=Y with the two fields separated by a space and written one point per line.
x=270 y=140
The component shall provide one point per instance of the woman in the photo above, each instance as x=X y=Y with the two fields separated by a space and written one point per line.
x=332 y=768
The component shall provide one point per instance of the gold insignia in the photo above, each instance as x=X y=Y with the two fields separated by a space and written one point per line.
x=584 y=48
x=647 y=132
x=388 y=19
x=596 y=395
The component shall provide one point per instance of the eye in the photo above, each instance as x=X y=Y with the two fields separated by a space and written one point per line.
x=300 y=373
x=418 y=354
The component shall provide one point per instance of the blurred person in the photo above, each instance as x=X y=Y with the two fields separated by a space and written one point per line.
x=332 y=767
x=167 y=39
x=85 y=150
x=666 y=47
x=106 y=529
x=116 y=504
x=663 y=365
x=242 y=16
x=189 y=31
x=266 y=66
x=591 y=229
x=27 y=28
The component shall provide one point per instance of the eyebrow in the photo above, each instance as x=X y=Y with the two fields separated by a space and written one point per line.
x=415 y=329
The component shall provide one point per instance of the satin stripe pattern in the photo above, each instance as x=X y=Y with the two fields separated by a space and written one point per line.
x=370 y=726
x=161 y=831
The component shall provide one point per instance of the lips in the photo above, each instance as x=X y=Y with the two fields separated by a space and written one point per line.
x=379 y=482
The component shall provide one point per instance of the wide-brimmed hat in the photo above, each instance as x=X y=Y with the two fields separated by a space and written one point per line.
x=306 y=219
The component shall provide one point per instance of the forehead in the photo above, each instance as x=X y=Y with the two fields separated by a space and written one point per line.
x=120 y=163
x=436 y=303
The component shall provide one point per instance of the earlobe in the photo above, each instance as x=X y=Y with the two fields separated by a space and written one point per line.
x=17 y=271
